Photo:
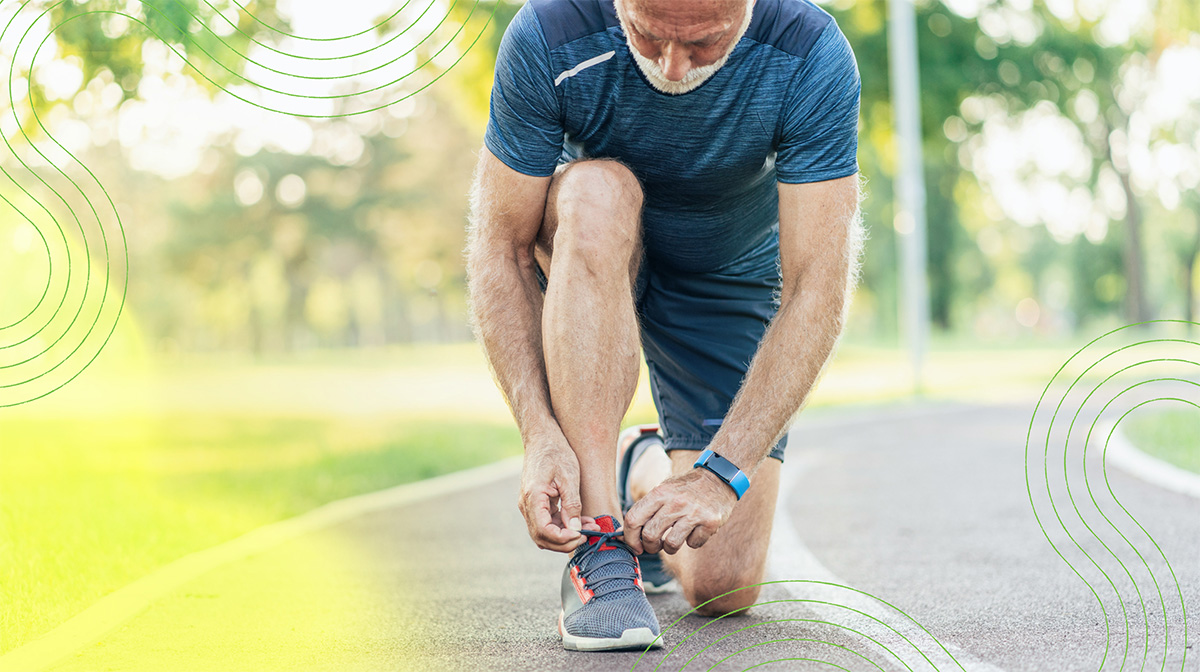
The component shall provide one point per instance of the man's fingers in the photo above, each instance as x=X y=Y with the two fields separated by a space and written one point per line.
x=636 y=518
x=549 y=499
x=548 y=532
x=656 y=528
x=539 y=505
x=676 y=537
x=571 y=507
x=697 y=538
x=554 y=532
x=574 y=542
x=563 y=548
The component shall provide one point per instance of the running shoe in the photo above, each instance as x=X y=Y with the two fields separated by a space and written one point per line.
x=631 y=445
x=603 y=603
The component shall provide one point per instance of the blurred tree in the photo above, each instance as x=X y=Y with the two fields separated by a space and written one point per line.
x=1185 y=241
x=108 y=35
x=370 y=255
x=958 y=60
x=1090 y=79
x=1097 y=276
x=268 y=249
x=1191 y=256
x=471 y=78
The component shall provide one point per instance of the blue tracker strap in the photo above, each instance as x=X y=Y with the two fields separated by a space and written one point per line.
x=725 y=470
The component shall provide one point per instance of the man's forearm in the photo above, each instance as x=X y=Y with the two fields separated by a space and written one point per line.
x=789 y=360
x=820 y=242
x=506 y=305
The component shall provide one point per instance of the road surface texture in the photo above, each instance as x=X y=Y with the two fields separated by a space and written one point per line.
x=924 y=507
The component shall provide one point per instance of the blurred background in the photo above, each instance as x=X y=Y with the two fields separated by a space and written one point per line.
x=252 y=300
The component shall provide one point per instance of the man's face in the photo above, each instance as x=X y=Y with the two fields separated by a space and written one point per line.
x=679 y=44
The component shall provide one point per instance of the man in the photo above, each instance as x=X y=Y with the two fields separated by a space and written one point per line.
x=679 y=174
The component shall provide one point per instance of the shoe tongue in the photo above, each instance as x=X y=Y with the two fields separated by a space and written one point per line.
x=614 y=569
x=607 y=524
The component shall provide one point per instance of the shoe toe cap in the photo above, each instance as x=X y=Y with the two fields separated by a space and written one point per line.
x=610 y=618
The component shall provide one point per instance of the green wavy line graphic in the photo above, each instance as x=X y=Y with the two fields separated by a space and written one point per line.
x=893 y=654
x=1095 y=364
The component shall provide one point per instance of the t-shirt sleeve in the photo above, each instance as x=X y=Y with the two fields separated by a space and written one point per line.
x=819 y=138
x=524 y=127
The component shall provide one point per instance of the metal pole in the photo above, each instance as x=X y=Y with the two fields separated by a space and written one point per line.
x=910 y=181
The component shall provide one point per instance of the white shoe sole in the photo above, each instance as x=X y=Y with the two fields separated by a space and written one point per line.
x=633 y=638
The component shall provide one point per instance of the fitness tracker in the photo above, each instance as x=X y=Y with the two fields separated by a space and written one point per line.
x=725 y=470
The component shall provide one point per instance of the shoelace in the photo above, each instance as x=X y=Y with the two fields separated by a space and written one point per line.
x=624 y=580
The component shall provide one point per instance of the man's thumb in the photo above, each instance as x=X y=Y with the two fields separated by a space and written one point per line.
x=572 y=508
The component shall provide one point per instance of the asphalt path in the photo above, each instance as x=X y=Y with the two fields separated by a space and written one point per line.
x=905 y=541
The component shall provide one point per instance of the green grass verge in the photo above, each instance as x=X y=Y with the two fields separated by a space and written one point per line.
x=1171 y=436
x=89 y=505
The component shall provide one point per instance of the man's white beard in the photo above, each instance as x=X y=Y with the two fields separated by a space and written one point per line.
x=694 y=77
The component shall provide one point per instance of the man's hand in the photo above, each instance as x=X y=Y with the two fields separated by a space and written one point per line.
x=688 y=508
x=549 y=497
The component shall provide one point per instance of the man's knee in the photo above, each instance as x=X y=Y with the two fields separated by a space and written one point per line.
x=598 y=210
x=601 y=184
x=714 y=597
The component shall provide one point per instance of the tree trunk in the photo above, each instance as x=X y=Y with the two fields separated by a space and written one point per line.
x=1136 y=308
x=1189 y=276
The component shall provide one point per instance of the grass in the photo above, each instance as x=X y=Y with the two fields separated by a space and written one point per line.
x=1172 y=436
x=90 y=505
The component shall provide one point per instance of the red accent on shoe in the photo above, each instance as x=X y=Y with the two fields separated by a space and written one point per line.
x=649 y=429
x=581 y=589
x=607 y=524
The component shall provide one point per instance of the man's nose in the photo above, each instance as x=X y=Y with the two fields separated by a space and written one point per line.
x=674 y=61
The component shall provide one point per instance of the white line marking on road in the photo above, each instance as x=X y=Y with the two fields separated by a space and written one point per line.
x=789 y=558
x=117 y=607
x=1126 y=456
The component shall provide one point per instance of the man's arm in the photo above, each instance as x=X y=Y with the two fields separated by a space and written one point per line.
x=820 y=238
x=507 y=208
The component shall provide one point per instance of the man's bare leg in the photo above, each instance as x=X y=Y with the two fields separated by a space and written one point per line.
x=736 y=555
x=591 y=239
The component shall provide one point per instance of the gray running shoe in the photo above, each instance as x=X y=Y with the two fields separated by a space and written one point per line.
x=603 y=603
x=656 y=578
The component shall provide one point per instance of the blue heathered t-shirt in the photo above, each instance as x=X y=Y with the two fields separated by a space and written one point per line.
x=784 y=107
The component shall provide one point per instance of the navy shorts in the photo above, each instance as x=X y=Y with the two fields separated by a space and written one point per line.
x=699 y=332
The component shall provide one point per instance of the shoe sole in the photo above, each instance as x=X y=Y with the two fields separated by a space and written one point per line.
x=633 y=638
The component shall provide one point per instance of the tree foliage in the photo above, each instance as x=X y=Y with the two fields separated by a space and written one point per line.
x=109 y=36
